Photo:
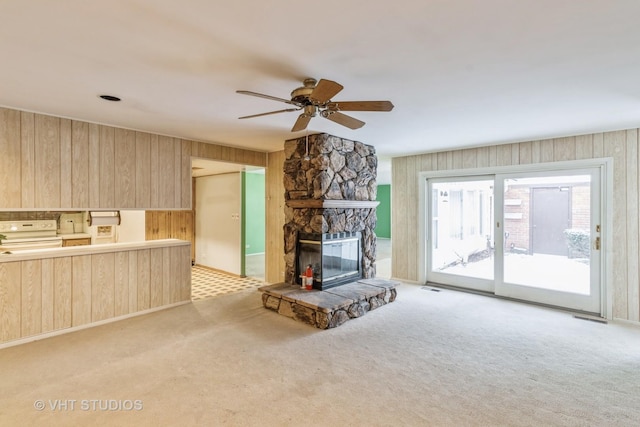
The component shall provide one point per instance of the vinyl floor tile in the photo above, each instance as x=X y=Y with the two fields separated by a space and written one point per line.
x=207 y=283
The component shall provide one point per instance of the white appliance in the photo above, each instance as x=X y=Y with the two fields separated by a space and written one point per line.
x=101 y=234
x=103 y=226
x=28 y=235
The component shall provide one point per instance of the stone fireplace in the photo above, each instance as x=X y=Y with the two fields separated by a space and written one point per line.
x=330 y=217
x=330 y=193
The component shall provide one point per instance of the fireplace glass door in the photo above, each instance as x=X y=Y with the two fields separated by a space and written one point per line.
x=334 y=258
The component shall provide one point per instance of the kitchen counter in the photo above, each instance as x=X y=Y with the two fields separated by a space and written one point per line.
x=46 y=292
x=88 y=249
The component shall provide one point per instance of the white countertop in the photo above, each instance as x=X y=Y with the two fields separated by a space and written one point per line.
x=89 y=249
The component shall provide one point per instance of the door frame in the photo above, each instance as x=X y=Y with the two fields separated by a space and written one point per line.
x=605 y=166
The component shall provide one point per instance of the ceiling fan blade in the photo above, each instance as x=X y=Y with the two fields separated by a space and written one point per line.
x=325 y=90
x=343 y=119
x=270 y=112
x=301 y=123
x=273 y=98
x=360 y=106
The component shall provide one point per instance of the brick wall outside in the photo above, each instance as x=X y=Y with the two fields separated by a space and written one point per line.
x=518 y=229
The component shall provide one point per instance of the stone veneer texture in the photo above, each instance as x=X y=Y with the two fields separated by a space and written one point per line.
x=325 y=167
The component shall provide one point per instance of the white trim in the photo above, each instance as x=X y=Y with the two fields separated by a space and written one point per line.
x=88 y=325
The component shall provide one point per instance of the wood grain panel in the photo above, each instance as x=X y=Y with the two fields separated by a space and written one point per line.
x=584 y=147
x=546 y=151
x=66 y=162
x=633 y=230
x=493 y=155
x=155 y=171
x=143 y=169
x=457 y=159
x=614 y=146
x=274 y=239
x=156 y=277
x=469 y=158
x=176 y=267
x=564 y=149
x=10 y=300
x=503 y=155
x=81 y=290
x=483 y=157
x=177 y=170
x=47 y=161
x=185 y=181
x=94 y=165
x=62 y=282
x=121 y=283
x=536 y=152
x=399 y=226
x=10 y=175
x=515 y=154
x=28 y=160
x=184 y=278
x=526 y=153
x=412 y=217
x=31 y=301
x=102 y=286
x=48 y=295
x=166 y=179
x=133 y=281
x=165 y=277
x=125 y=168
x=598 y=145
x=107 y=167
x=80 y=165
x=144 y=279
x=428 y=162
x=441 y=161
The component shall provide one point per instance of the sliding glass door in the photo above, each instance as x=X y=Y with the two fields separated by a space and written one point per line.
x=461 y=229
x=529 y=236
x=551 y=228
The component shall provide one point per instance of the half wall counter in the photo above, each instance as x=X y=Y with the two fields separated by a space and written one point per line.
x=50 y=291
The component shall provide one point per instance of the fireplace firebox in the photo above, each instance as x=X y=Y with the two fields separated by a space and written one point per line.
x=334 y=257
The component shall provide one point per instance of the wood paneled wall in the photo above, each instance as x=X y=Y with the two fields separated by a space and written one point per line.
x=274 y=249
x=45 y=295
x=621 y=146
x=49 y=163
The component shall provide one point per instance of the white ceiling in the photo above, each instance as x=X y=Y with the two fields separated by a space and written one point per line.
x=460 y=72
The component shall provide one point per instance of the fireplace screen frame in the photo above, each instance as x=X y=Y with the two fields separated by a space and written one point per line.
x=321 y=250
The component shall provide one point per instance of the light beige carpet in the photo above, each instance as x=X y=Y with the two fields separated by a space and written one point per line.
x=428 y=359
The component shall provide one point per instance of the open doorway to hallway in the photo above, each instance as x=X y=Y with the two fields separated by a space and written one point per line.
x=229 y=227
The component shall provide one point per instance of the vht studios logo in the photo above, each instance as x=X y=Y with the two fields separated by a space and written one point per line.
x=88 y=405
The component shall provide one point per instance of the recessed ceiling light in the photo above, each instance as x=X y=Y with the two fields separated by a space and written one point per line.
x=110 y=98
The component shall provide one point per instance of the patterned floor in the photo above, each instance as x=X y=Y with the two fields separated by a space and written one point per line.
x=207 y=283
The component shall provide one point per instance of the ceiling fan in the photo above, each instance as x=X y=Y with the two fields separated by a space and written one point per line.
x=315 y=98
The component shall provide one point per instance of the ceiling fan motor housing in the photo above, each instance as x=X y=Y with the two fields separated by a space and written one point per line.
x=301 y=94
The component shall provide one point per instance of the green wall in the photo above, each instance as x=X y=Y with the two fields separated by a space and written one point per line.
x=254 y=213
x=383 y=211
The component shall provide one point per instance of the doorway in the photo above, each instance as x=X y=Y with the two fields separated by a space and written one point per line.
x=229 y=212
x=532 y=236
